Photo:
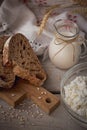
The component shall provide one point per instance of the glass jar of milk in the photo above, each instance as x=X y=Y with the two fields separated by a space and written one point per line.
x=65 y=49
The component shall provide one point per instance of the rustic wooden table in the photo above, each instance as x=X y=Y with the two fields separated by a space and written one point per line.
x=28 y=116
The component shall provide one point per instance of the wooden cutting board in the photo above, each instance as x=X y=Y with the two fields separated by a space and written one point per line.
x=39 y=95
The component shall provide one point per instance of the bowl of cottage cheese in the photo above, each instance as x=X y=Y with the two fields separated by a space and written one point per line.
x=74 y=92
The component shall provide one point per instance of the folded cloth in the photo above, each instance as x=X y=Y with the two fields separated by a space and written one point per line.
x=18 y=17
x=15 y=15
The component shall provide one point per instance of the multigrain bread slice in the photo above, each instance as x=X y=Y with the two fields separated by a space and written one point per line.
x=26 y=65
x=7 y=77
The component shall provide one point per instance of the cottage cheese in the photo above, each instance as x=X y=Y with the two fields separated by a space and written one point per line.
x=76 y=95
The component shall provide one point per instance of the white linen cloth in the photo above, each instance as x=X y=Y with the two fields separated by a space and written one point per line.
x=22 y=16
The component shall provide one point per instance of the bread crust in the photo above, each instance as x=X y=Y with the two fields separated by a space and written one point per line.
x=7 y=77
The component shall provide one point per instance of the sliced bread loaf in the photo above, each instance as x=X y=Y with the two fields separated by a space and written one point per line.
x=26 y=65
x=7 y=76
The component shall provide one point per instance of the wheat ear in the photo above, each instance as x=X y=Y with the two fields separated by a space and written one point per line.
x=45 y=18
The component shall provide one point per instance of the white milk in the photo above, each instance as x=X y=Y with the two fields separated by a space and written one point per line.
x=64 y=55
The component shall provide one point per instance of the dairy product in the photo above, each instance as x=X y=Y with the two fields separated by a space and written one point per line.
x=76 y=95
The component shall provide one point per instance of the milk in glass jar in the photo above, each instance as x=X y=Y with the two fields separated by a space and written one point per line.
x=65 y=48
